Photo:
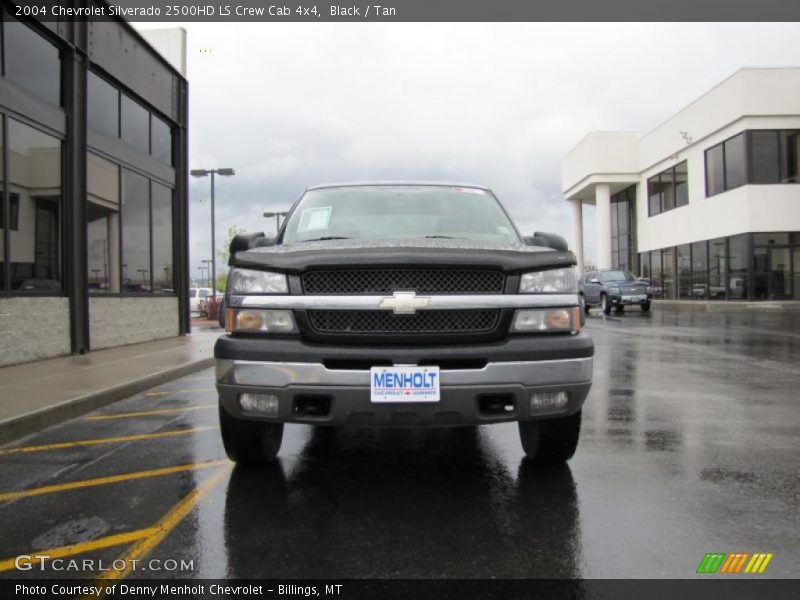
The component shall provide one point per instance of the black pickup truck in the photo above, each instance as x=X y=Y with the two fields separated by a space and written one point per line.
x=405 y=305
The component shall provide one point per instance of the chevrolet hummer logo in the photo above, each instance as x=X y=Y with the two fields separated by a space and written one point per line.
x=404 y=303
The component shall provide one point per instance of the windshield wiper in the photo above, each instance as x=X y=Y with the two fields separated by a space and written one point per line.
x=325 y=238
x=443 y=237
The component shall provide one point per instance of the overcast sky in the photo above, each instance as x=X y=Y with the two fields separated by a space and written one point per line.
x=291 y=105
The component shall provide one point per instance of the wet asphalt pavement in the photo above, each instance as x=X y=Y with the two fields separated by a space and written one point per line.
x=689 y=445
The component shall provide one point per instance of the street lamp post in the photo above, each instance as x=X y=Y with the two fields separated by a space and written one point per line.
x=226 y=172
x=207 y=263
x=277 y=215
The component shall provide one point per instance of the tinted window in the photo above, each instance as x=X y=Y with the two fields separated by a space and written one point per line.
x=103 y=105
x=654 y=195
x=717 y=265
x=35 y=175
x=102 y=227
x=715 y=171
x=135 y=233
x=700 y=270
x=135 y=124
x=163 y=272
x=31 y=61
x=790 y=156
x=735 y=170
x=3 y=267
x=681 y=184
x=684 y=271
x=161 y=140
x=737 y=280
x=668 y=190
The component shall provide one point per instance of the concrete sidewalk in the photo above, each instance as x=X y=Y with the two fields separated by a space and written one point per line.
x=39 y=394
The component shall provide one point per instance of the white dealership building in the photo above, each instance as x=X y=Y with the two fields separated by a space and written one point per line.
x=707 y=204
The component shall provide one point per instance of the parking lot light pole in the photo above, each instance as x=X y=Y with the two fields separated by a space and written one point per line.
x=277 y=216
x=207 y=263
x=226 y=172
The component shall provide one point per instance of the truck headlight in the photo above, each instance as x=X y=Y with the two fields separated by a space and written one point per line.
x=559 y=281
x=252 y=320
x=250 y=281
x=613 y=289
x=551 y=320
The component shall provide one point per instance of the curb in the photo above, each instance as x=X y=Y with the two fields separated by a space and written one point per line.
x=20 y=426
x=727 y=307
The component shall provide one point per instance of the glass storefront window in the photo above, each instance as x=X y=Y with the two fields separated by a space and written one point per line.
x=3 y=225
x=161 y=140
x=700 y=271
x=163 y=269
x=34 y=174
x=135 y=233
x=668 y=273
x=31 y=61
x=103 y=105
x=102 y=225
x=685 y=291
x=135 y=124
x=717 y=267
x=737 y=265
x=656 y=274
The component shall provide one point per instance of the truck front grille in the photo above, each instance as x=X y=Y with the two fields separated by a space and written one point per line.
x=421 y=281
x=383 y=322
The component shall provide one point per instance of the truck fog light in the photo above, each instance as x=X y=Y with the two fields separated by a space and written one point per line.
x=546 y=401
x=266 y=404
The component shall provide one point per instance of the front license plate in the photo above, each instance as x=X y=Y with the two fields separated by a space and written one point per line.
x=404 y=384
x=639 y=298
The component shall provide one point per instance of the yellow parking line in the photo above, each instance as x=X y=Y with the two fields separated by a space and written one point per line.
x=167 y=523
x=111 y=440
x=168 y=392
x=84 y=483
x=145 y=413
x=63 y=551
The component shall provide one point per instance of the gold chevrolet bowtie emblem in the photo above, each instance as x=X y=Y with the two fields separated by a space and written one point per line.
x=404 y=303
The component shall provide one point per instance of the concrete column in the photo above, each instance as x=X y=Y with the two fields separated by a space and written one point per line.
x=602 y=196
x=577 y=232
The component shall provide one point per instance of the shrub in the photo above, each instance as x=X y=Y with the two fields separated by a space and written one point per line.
x=210 y=307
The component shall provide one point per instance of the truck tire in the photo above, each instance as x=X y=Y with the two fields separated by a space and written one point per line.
x=550 y=440
x=645 y=306
x=250 y=442
x=605 y=304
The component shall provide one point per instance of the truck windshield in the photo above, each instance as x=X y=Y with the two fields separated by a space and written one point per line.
x=399 y=211
x=612 y=276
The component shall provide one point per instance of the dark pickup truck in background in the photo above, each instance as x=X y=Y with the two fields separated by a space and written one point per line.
x=406 y=305
x=614 y=288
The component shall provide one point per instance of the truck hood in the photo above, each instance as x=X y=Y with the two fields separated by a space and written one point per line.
x=332 y=254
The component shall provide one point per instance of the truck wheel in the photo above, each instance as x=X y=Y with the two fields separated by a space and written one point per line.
x=645 y=306
x=550 y=440
x=605 y=304
x=620 y=309
x=250 y=442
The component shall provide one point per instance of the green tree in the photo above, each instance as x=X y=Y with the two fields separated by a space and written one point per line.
x=223 y=252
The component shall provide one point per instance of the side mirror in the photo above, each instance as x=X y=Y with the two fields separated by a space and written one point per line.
x=246 y=241
x=548 y=240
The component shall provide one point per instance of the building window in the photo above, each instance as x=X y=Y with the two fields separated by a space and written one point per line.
x=163 y=272
x=31 y=61
x=623 y=224
x=4 y=229
x=685 y=272
x=103 y=105
x=161 y=140
x=717 y=268
x=757 y=156
x=34 y=179
x=135 y=124
x=700 y=288
x=669 y=189
x=102 y=183
x=135 y=233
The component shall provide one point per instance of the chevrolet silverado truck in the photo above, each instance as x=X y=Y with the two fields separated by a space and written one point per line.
x=401 y=305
